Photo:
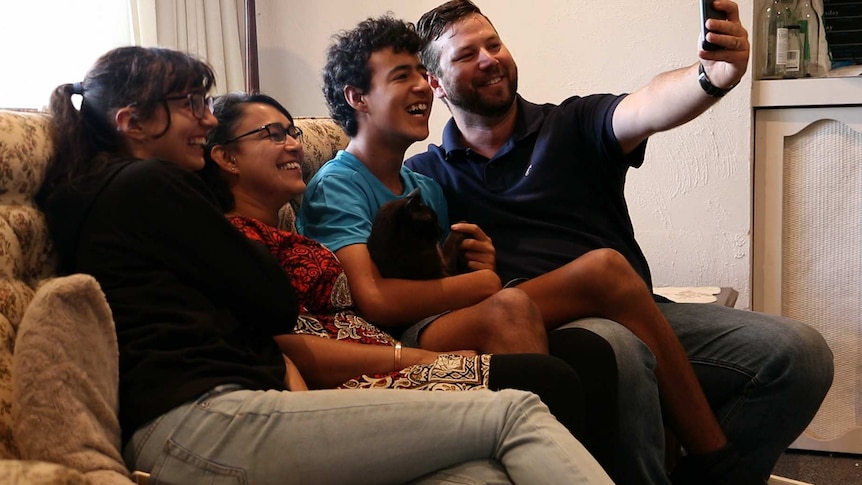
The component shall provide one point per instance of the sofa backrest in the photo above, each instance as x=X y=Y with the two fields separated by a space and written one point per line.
x=26 y=255
x=25 y=250
x=321 y=139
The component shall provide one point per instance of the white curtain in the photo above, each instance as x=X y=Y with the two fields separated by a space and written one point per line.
x=209 y=29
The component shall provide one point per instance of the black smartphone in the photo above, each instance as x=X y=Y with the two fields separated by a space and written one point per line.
x=708 y=12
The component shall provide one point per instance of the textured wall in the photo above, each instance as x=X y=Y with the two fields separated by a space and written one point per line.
x=690 y=202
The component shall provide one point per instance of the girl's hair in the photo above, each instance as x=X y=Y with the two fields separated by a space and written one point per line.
x=85 y=140
x=228 y=110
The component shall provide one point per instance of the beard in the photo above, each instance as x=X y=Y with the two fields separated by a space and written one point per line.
x=470 y=100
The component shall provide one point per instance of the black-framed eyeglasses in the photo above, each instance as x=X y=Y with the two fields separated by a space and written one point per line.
x=275 y=131
x=198 y=103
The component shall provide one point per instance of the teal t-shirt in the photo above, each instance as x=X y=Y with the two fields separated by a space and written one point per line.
x=343 y=197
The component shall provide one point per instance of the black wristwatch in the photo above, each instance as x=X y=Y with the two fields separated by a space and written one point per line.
x=707 y=86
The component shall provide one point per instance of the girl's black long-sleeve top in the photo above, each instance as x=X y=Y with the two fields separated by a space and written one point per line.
x=194 y=302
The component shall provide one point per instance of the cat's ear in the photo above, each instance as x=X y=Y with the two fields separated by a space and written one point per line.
x=413 y=200
x=417 y=192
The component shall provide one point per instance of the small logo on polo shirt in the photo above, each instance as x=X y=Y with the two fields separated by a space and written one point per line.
x=527 y=172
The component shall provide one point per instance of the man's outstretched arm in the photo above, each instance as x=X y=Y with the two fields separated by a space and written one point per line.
x=676 y=97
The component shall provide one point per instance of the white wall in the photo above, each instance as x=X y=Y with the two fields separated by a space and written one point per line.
x=690 y=202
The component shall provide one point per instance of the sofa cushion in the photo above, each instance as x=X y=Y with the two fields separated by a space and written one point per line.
x=65 y=380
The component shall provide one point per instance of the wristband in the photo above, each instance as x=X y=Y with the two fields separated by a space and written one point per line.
x=706 y=84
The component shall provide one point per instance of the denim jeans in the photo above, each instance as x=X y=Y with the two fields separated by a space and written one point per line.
x=235 y=436
x=764 y=376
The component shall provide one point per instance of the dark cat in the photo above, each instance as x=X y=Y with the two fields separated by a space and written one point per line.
x=405 y=242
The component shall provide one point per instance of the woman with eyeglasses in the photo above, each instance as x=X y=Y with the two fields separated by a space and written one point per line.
x=203 y=391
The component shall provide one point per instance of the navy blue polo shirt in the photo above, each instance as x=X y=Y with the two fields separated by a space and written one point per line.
x=553 y=192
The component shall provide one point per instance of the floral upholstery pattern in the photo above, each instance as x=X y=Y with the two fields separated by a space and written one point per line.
x=25 y=249
x=322 y=138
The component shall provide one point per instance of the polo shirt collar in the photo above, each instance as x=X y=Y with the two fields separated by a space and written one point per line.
x=529 y=119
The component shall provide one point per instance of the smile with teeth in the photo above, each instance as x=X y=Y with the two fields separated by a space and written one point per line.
x=493 y=81
x=198 y=141
x=288 y=166
x=417 y=109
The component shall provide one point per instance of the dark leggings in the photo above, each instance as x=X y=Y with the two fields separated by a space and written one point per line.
x=578 y=384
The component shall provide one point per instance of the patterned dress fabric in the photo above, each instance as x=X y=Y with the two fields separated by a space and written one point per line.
x=326 y=310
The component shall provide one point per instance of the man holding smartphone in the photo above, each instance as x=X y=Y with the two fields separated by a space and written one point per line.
x=546 y=183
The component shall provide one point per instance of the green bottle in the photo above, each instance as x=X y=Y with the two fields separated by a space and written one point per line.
x=809 y=24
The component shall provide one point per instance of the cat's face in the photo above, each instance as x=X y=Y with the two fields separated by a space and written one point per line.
x=416 y=218
x=404 y=240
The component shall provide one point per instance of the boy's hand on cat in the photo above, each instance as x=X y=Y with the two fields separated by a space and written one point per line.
x=478 y=249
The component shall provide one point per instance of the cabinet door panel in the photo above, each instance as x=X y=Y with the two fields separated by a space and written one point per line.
x=807 y=239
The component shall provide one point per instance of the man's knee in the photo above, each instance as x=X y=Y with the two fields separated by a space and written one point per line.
x=806 y=355
x=608 y=266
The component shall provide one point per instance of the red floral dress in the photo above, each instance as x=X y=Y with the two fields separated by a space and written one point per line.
x=326 y=310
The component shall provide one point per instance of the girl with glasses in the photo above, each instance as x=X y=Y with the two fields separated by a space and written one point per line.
x=203 y=387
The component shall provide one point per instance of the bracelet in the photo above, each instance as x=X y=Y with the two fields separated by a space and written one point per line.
x=397 y=356
x=708 y=87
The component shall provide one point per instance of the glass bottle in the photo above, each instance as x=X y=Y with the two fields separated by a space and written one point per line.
x=809 y=24
x=773 y=39
x=793 y=69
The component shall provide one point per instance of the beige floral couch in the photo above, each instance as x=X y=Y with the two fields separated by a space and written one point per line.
x=27 y=259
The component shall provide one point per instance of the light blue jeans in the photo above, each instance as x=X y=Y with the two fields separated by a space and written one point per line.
x=236 y=436
x=764 y=377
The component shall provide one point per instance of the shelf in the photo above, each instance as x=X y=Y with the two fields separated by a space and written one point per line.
x=783 y=93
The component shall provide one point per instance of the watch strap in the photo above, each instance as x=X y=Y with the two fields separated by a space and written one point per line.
x=706 y=84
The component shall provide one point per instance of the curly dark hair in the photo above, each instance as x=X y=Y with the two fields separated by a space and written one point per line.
x=347 y=61
x=432 y=24
x=228 y=110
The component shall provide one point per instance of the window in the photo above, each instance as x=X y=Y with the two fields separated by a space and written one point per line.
x=46 y=43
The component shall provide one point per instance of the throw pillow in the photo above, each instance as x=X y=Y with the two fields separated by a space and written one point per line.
x=65 y=381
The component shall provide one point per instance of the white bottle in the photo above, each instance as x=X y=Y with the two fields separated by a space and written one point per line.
x=773 y=39
x=795 y=44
